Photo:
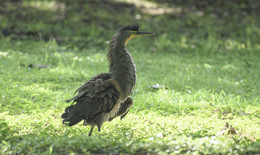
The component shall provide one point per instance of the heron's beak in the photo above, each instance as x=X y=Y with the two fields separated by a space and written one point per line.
x=139 y=34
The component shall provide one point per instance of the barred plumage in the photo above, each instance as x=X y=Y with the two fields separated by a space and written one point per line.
x=106 y=95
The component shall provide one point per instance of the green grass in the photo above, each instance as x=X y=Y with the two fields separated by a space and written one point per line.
x=206 y=67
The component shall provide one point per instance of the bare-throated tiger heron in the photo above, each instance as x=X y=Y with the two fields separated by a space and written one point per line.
x=106 y=95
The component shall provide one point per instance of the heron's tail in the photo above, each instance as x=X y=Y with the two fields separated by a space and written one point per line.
x=72 y=115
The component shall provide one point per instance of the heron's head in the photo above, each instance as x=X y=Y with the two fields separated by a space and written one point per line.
x=130 y=32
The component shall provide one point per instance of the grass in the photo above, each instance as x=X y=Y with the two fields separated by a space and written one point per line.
x=193 y=78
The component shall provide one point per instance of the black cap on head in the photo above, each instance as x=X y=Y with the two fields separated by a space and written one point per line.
x=130 y=28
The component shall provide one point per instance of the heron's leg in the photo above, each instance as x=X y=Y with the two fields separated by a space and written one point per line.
x=99 y=128
x=125 y=107
x=90 y=132
x=122 y=116
x=102 y=118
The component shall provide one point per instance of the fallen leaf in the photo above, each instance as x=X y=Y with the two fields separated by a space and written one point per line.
x=228 y=129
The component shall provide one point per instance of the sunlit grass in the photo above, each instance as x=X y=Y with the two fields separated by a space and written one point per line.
x=196 y=96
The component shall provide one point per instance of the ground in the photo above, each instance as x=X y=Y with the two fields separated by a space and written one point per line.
x=197 y=88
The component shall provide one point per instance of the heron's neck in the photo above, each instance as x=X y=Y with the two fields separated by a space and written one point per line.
x=122 y=67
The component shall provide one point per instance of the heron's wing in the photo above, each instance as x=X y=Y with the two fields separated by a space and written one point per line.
x=96 y=96
x=90 y=85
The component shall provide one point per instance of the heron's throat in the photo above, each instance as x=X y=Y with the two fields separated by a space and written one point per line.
x=122 y=67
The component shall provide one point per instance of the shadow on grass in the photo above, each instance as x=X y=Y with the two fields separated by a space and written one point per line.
x=76 y=23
